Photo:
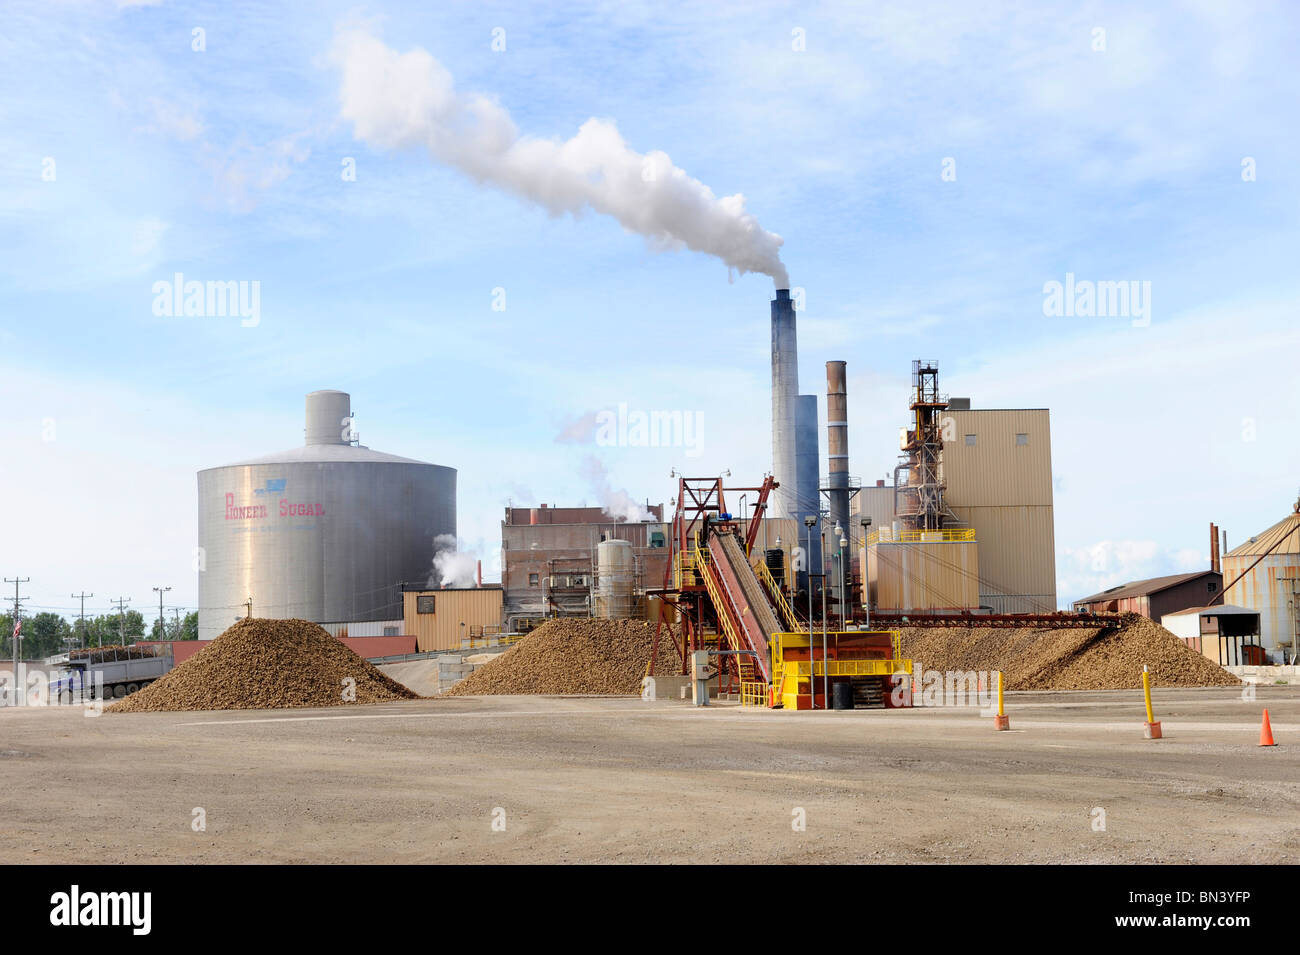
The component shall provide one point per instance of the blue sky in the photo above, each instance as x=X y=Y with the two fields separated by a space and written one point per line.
x=1122 y=163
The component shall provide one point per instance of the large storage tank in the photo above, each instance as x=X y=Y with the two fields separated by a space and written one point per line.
x=616 y=565
x=326 y=532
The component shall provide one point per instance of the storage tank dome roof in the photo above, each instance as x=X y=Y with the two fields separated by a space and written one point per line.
x=325 y=442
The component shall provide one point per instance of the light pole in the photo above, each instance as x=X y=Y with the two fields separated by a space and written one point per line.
x=810 y=521
x=866 y=590
x=825 y=702
x=837 y=534
x=844 y=585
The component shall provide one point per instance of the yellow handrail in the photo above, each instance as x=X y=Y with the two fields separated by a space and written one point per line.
x=889 y=536
x=778 y=598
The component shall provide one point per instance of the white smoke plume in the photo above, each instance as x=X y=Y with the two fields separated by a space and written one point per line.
x=452 y=567
x=617 y=503
x=396 y=100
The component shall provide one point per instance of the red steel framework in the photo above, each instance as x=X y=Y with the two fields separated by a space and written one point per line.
x=702 y=502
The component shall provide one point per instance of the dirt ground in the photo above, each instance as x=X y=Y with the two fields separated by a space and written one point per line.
x=622 y=780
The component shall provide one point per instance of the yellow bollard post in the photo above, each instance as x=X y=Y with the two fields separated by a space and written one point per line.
x=1001 y=722
x=1150 y=729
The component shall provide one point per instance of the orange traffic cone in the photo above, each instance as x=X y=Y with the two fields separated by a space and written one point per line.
x=1266 y=732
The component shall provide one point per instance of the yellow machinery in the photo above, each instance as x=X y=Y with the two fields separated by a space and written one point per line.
x=871 y=661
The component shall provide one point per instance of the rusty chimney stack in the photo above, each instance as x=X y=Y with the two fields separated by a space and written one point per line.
x=1214 y=548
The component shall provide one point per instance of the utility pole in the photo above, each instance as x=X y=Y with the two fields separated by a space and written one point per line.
x=162 y=622
x=20 y=679
x=121 y=619
x=83 y=595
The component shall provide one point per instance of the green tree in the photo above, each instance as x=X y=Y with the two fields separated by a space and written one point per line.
x=44 y=635
x=106 y=628
x=186 y=628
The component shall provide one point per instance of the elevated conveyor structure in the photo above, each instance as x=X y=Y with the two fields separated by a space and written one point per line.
x=724 y=602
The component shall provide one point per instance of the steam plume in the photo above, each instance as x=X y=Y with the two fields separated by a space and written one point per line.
x=396 y=100
x=452 y=567
x=615 y=502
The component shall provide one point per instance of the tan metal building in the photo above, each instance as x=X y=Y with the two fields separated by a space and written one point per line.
x=996 y=467
x=1271 y=587
x=441 y=619
x=923 y=571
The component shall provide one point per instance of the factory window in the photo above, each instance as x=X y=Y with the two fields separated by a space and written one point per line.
x=424 y=603
x=1022 y=439
x=391 y=631
x=970 y=440
x=1214 y=585
x=532 y=580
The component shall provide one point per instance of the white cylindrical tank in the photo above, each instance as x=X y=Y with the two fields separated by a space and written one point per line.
x=616 y=567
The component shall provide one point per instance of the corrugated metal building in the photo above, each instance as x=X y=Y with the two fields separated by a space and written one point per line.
x=1272 y=587
x=996 y=466
x=922 y=571
x=441 y=619
x=1157 y=596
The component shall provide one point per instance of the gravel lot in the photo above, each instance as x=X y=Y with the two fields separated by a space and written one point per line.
x=622 y=780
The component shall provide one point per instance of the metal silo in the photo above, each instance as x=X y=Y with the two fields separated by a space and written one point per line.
x=616 y=566
x=326 y=532
x=1266 y=569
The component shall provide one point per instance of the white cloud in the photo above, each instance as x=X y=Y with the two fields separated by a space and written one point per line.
x=172 y=120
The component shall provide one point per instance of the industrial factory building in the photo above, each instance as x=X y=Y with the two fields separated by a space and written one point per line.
x=967 y=524
x=327 y=532
x=551 y=563
x=1156 y=597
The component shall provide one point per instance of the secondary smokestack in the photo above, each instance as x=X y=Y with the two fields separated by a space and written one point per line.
x=837 y=458
x=328 y=417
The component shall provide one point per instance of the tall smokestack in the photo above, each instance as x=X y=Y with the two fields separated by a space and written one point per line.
x=1214 y=548
x=837 y=458
x=785 y=389
x=794 y=436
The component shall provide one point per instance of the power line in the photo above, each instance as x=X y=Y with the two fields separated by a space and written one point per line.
x=121 y=621
x=17 y=633
x=162 y=621
x=83 y=595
